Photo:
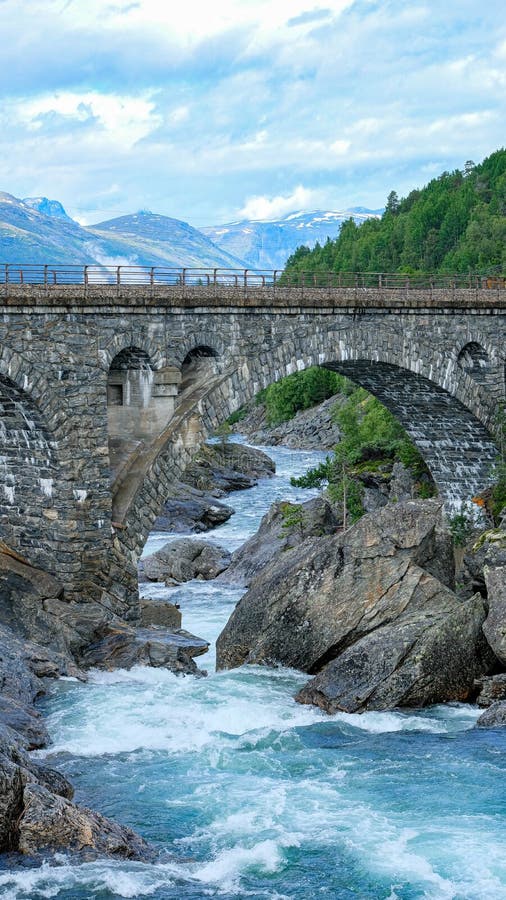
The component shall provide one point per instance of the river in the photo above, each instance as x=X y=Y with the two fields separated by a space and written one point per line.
x=248 y=794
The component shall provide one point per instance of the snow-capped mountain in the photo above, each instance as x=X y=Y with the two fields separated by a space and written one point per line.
x=52 y=208
x=33 y=236
x=268 y=244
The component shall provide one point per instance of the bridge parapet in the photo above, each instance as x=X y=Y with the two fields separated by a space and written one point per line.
x=55 y=286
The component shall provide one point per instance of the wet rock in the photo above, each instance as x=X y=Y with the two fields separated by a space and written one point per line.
x=25 y=720
x=487 y=549
x=50 y=823
x=494 y=626
x=191 y=510
x=160 y=612
x=284 y=527
x=492 y=688
x=221 y=468
x=428 y=655
x=494 y=716
x=124 y=647
x=363 y=599
x=13 y=749
x=182 y=560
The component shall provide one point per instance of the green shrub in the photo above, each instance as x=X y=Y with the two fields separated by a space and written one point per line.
x=302 y=390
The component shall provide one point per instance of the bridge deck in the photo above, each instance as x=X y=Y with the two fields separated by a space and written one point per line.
x=219 y=296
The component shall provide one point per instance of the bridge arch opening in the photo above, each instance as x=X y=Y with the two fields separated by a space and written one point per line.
x=29 y=477
x=199 y=363
x=475 y=361
x=456 y=446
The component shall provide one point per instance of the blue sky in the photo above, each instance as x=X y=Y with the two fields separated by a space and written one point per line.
x=210 y=112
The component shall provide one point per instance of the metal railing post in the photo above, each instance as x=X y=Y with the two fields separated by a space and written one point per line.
x=118 y=279
x=86 y=281
x=152 y=281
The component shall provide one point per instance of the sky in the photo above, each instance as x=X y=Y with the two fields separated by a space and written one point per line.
x=214 y=112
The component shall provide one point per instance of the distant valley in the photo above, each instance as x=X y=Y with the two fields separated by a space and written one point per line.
x=38 y=231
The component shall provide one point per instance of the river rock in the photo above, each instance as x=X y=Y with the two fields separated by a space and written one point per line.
x=492 y=688
x=221 y=468
x=189 y=509
x=51 y=823
x=283 y=528
x=160 y=612
x=123 y=647
x=430 y=654
x=494 y=626
x=183 y=560
x=365 y=589
x=494 y=716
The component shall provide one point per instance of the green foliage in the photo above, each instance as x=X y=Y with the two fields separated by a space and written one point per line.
x=372 y=440
x=293 y=518
x=497 y=500
x=456 y=224
x=316 y=477
x=349 y=492
x=237 y=416
x=300 y=391
x=462 y=525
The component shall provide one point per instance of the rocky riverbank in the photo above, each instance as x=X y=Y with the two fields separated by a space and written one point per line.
x=44 y=636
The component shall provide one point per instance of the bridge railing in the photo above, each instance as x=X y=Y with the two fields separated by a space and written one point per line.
x=158 y=276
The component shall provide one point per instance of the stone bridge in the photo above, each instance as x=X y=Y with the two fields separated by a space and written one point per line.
x=106 y=390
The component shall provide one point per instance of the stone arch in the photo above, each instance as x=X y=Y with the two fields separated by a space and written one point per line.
x=196 y=339
x=201 y=362
x=474 y=359
x=142 y=342
x=30 y=475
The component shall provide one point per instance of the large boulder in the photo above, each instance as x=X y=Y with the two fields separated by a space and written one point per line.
x=37 y=815
x=221 y=468
x=494 y=626
x=284 y=527
x=182 y=560
x=365 y=598
x=121 y=646
x=189 y=509
x=431 y=653
x=494 y=716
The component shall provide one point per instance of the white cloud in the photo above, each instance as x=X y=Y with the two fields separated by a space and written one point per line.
x=126 y=119
x=275 y=207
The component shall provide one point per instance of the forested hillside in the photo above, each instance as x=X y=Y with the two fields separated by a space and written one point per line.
x=456 y=224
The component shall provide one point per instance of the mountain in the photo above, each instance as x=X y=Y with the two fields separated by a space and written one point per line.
x=455 y=224
x=148 y=236
x=30 y=236
x=51 y=208
x=268 y=244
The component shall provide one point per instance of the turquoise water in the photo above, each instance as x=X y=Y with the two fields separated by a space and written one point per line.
x=248 y=794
